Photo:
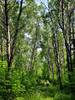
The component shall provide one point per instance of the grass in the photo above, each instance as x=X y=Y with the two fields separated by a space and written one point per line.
x=35 y=96
x=41 y=98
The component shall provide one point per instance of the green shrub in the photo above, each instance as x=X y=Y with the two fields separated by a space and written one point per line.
x=61 y=96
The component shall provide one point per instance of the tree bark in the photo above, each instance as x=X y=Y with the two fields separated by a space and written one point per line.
x=10 y=47
x=67 y=45
x=55 y=45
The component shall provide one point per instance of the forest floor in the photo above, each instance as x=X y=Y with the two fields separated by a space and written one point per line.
x=35 y=98
x=46 y=93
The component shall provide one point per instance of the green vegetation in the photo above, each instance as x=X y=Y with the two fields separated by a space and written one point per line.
x=37 y=50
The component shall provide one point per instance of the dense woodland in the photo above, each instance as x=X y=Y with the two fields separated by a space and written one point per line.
x=37 y=50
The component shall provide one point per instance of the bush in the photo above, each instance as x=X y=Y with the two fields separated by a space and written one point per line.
x=61 y=96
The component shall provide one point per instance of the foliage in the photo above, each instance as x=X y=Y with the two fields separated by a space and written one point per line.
x=37 y=50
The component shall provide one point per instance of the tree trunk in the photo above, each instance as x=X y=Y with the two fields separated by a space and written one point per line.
x=67 y=45
x=55 y=45
x=53 y=72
